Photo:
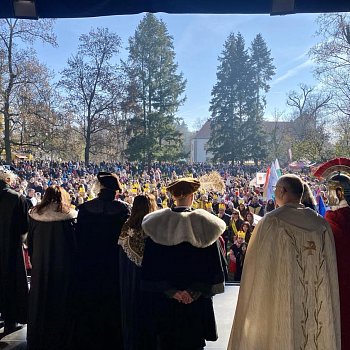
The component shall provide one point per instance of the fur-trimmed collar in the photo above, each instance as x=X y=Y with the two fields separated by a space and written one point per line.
x=50 y=214
x=199 y=227
x=342 y=204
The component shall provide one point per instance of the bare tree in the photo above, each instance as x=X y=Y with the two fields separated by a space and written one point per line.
x=310 y=110
x=280 y=134
x=92 y=84
x=332 y=57
x=13 y=31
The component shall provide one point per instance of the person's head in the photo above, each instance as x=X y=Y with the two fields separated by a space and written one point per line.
x=7 y=176
x=241 y=206
x=142 y=205
x=340 y=193
x=236 y=215
x=308 y=198
x=106 y=180
x=209 y=206
x=255 y=199
x=289 y=189
x=183 y=190
x=250 y=218
x=222 y=208
x=30 y=192
x=270 y=205
x=246 y=226
x=240 y=236
x=55 y=195
x=240 y=240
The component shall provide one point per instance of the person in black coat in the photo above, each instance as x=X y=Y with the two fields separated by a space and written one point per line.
x=226 y=218
x=137 y=333
x=97 y=292
x=182 y=269
x=13 y=278
x=51 y=247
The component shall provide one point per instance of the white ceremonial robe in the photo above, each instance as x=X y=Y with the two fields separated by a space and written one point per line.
x=289 y=295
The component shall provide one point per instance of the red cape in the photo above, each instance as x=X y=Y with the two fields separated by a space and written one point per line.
x=340 y=222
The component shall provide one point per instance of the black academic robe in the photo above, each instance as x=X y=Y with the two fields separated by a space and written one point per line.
x=51 y=247
x=169 y=268
x=226 y=235
x=13 y=278
x=97 y=289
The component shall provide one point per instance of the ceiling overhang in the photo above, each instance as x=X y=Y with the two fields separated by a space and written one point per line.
x=94 y=8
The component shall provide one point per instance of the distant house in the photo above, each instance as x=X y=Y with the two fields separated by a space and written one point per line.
x=275 y=130
x=199 y=152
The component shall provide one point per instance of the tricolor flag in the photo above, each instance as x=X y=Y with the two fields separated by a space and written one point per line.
x=278 y=168
x=271 y=181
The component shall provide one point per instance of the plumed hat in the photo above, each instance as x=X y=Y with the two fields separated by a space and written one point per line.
x=183 y=187
x=109 y=180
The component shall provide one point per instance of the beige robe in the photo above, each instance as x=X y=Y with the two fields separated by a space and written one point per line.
x=289 y=296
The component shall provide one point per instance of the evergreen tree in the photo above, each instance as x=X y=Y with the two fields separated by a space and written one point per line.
x=238 y=100
x=232 y=102
x=263 y=70
x=152 y=70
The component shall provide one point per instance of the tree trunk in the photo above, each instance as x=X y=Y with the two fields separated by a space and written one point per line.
x=87 y=145
x=7 y=134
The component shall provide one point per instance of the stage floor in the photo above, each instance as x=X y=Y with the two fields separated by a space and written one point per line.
x=224 y=304
x=225 y=307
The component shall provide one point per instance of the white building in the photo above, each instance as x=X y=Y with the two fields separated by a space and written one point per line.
x=199 y=152
x=276 y=132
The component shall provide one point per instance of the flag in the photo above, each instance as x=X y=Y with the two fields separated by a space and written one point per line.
x=271 y=181
x=278 y=168
x=266 y=183
x=321 y=207
x=273 y=178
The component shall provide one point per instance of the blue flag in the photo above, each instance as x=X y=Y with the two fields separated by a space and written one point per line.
x=321 y=206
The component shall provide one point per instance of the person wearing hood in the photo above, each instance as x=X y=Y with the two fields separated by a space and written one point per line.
x=51 y=247
x=339 y=219
x=182 y=268
x=13 y=230
x=97 y=292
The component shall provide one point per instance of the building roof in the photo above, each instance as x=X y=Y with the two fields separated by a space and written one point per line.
x=94 y=8
x=204 y=131
x=269 y=126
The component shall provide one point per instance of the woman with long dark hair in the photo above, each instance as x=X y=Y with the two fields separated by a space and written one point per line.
x=51 y=247
x=308 y=198
x=136 y=335
x=247 y=229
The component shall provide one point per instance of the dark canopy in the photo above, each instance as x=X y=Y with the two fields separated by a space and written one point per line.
x=93 y=8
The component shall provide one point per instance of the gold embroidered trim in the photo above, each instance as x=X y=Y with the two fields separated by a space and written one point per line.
x=309 y=249
x=133 y=243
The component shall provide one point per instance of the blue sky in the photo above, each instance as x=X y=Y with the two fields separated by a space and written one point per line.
x=198 y=41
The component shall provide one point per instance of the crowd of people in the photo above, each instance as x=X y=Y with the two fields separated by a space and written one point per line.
x=94 y=275
x=241 y=200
